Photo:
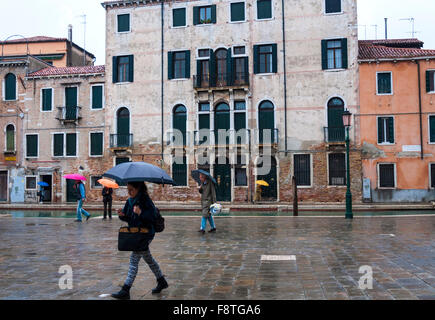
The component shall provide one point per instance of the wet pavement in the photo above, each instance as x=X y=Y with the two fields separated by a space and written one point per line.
x=328 y=253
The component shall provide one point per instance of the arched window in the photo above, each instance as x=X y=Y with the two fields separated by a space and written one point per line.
x=179 y=121
x=10 y=87
x=222 y=123
x=266 y=122
x=10 y=137
x=123 y=128
x=335 y=120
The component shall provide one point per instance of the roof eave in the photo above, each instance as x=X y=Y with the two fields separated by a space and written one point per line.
x=76 y=75
x=395 y=59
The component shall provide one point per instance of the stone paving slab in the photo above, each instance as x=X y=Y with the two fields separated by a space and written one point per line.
x=227 y=264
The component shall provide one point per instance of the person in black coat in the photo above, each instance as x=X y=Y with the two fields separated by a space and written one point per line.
x=107 y=200
x=139 y=211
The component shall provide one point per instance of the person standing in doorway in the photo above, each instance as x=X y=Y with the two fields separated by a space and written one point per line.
x=208 y=197
x=107 y=200
x=81 y=197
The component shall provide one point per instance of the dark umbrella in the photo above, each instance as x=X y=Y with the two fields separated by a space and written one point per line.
x=195 y=175
x=138 y=171
x=43 y=184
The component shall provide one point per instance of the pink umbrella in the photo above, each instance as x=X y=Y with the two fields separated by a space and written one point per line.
x=74 y=176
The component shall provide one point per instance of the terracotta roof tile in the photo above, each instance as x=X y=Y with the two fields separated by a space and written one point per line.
x=54 y=71
x=35 y=39
x=375 y=52
x=395 y=43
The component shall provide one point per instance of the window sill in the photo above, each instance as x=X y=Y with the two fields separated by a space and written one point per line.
x=180 y=79
x=335 y=70
x=386 y=144
x=265 y=74
x=204 y=24
x=97 y=109
x=179 y=27
x=235 y=22
x=333 y=13
x=180 y=187
x=305 y=187
x=123 y=32
x=339 y=187
x=241 y=187
x=45 y=111
x=391 y=188
x=123 y=83
x=101 y=156
x=265 y=19
x=384 y=94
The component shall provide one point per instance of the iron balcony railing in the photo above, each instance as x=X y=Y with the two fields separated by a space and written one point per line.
x=222 y=137
x=121 y=140
x=334 y=134
x=69 y=114
x=220 y=80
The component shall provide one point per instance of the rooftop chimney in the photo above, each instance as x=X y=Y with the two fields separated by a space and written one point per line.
x=386 y=28
x=70 y=32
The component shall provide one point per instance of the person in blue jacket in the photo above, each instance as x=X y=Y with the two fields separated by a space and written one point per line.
x=139 y=212
x=81 y=195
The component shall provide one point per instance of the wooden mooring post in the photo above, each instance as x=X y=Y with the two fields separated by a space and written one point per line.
x=295 y=197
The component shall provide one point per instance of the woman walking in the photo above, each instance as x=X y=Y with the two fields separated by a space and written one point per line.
x=81 y=195
x=107 y=200
x=139 y=212
x=208 y=197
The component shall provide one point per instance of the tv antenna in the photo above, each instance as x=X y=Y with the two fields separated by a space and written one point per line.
x=84 y=38
x=376 y=30
x=412 y=21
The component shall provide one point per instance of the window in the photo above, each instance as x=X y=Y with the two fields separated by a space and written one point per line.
x=264 y=9
x=179 y=124
x=265 y=58
x=94 y=182
x=334 y=54
x=204 y=15
x=97 y=97
x=69 y=140
x=123 y=23
x=179 y=65
x=47 y=99
x=31 y=146
x=179 y=17
x=123 y=69
x=431 y=129
x=10 y=87
x=432 y=175
x=58 y=145
x=204 y=53
x=337 y=169
x=71 y=144
x=384 y=83
x=241 y=179
x=10 y=137
x=31 y=183
x=302 y=169
x=241 y=134
x=179 y=171
x=430 y=81
x=333 y=6
x=96 y=143
x=237 y=11
x=387 y=175
x=239 y=51
x=266 y=123
x=385 y=130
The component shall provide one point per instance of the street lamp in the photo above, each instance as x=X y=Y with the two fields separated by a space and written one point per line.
x=347 y=119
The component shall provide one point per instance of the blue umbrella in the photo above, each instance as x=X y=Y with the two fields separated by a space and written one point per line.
x=195 y=175
x=138 y=171
x=43 y=184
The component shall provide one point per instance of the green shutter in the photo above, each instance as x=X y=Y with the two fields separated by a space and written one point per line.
x=71 y=97
x=115 y=69
x=179 y=17
x=10 y=138
x=380 y=130
x=11 y=87
x=71 y=144
x=198 y=73
x=256 y=59
x=123 y=23
x=344 y=53
x=32 y=145
x=428 y=81
x=238 y=11
x=239 y=120
x=46 y=99
x=213 y=14
x=97 y=97
x=264 y=9
x=179 y=122
x=58 y=145
x=274 y=58
x=432 y=129
x=131 y=68
x=195 y=16
x=390 y=130
x=212 y=69
x=324 y=54
x=179 y=171
x=96 y=144
x=170 y=66
x=187 y=69
x=246 y=59
x=204 y=121
x=266 y=122
x=229 y=68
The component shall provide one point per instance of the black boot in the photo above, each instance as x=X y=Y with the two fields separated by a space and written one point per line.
x=161 y=284
x=124 y=294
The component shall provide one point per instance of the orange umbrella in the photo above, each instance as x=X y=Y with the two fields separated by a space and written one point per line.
x=108 y=183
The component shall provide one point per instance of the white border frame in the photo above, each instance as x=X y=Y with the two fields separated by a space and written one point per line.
x=52 y=144
x=428 y=127
x=41 y=99
x=52 y=189
x=36 y=182
x=311 y=169
x=92 y=96
x=378 y=170
x=6 y=137
x=187 y=171
x=115 y=119
x=430 y=175
x=392 y=84
x=257 y=109
x=332 y=13
x=4 y=88
x=328 y=166
x=90 y=145
x=37 y=146
x=233 y=55
x=7 y=186
x=175 y=7
x=256 y=12
x=433 y=73
x=377 y=131
x=122 y=13
x=91 y=187
x=338 y=38
x=245 y=9
x=64 y=93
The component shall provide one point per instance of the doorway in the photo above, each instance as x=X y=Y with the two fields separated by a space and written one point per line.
x=47 y=191
x=3 y=186
x=222 y=175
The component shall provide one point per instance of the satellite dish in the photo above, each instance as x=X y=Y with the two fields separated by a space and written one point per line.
x=21 y=115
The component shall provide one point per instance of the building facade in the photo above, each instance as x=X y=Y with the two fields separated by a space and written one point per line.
x=397 y=120
x=249 y=90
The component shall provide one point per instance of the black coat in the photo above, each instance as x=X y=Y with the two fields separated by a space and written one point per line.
x=146 y=219
x=107 y=194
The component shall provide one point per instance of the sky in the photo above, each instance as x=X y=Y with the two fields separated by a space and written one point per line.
x=51 y=18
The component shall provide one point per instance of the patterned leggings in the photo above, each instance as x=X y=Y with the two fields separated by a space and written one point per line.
x=134 y=264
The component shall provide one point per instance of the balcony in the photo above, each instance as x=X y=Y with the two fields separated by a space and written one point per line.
x=335 y=135
x=222 y=137
x=221 y=80
x=121 y=142
x=69 y=114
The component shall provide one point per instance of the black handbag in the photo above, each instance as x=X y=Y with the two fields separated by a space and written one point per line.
x=133 y=239
x=159 y=223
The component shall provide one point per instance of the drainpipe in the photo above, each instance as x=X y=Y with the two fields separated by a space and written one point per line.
x=419 y=108
x=162 y=107
x=285 y=76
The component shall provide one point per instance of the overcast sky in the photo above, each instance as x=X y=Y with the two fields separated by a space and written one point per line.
x=51 y=18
